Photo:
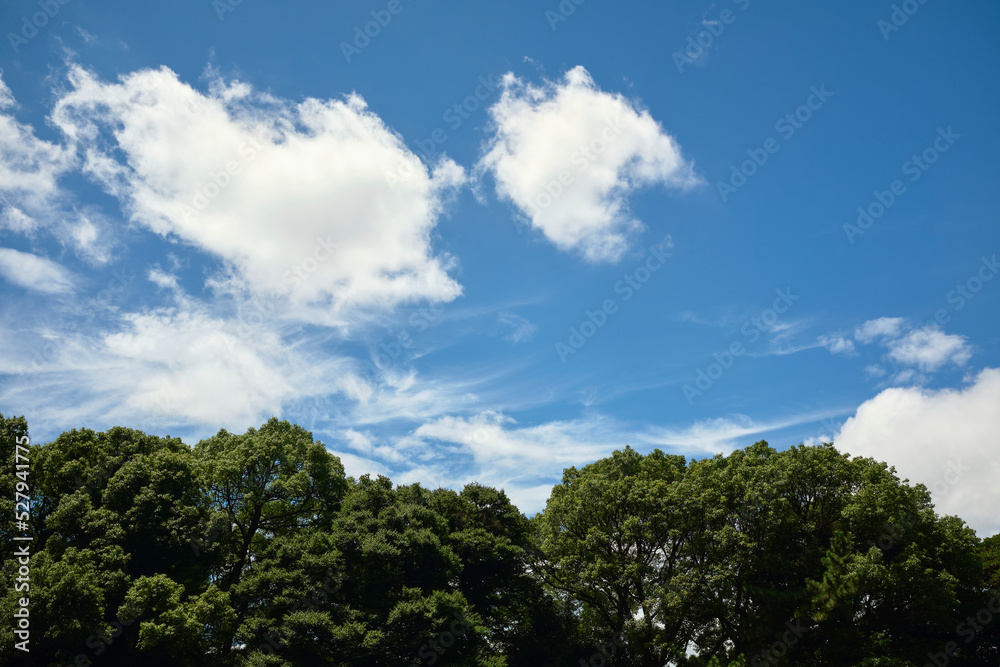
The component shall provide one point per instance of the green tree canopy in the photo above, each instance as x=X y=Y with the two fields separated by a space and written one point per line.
x=806 y=553
x=257 y=550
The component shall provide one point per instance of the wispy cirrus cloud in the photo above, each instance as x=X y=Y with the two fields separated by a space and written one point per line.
x=30 y=169
x=526 y=460
x=31 y=196
x=34 y=273
x=724 y=434
x=522 y=329
x=523 y=460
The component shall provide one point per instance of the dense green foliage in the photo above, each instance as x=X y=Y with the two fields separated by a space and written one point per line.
x=257 y=549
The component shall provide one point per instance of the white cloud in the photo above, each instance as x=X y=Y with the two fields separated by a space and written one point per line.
x=358 y=466
x=568 y=155
x=34 y=273
x=874 y=370
x=293 y=196
x=883 y=327
x=29 y=169
x=394 y=394
x=525 y=461
x=177 y=367
x=945 y=439
x=16 y=220
x=723 y=434
x=838 y=345
x=183 y=365
x=494 y=440
x=913 y=353
x=6 y=97
x=523 y=329
x=359 y=441
x=163 y=279
x=88 y=38
x=367 y=445
x=30 y=196
x=187 y=367
x=930 y=349
x=90 y=233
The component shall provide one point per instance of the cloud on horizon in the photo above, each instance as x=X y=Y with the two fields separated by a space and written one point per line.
x=925 y=434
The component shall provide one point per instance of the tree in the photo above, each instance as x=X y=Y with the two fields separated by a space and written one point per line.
x=494 y=544
x=989 y=550
x=805 y=553
x=13 y=432
x=106 y=508
x=176 y=628
x=615 y=538
x=267 y=483
x=256 y=550
x=402 y=580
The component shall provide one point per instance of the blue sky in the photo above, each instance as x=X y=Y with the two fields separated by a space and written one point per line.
x=487 y=242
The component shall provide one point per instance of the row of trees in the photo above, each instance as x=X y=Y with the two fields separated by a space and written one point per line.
x=257 y=549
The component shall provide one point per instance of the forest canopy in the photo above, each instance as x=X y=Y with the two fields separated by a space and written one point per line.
x=257 y=549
